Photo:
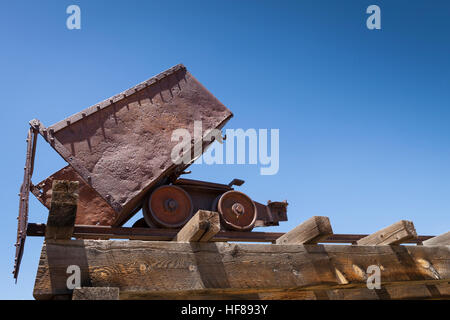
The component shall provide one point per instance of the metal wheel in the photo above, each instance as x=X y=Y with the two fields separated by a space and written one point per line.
x=237 y=211
x=168 y=207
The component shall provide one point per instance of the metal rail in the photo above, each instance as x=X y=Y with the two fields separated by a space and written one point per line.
x=151 y=234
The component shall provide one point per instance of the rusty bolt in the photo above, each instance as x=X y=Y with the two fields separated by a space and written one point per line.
x=171 y=204
x=238 y=209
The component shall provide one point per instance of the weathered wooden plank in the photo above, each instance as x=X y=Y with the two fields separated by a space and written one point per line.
x=397 y=233
x=95 y=293
x=214 y=227
x=392 y=292
x=441 y=240
x=396 y=292
x=311 y=231
x=197 y=269
x=201 y=227
x=63 y=210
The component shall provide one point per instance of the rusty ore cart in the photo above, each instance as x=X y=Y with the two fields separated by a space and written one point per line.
x=119 y=151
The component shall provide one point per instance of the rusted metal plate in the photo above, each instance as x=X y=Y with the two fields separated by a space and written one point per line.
x=22 y=222
x=122 y=146
x=92 y=208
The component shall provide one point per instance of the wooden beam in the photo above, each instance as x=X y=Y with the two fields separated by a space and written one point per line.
x=387 y=292
x=201 y=227
x=63 y=210
x=397 y=233
x=96 y=293
x=441 y=240
x=311 y=231
x=167 y=269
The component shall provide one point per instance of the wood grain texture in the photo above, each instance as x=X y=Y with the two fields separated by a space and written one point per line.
x=201 y=227
x=395 y=234
x=169 y=270
x=441 y=240
x=311 y=231
x=95 y=293
x=63 y=210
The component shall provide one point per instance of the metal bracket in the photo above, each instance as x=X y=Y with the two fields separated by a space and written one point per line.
x=236 y=182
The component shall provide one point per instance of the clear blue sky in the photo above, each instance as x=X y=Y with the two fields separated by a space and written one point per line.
x=363 y=115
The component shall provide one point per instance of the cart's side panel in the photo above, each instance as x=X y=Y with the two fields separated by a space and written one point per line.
x=92 y=209
x=126 y=146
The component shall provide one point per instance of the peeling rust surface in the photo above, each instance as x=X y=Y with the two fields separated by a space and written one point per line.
x=92 y=209
x=126 y=146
